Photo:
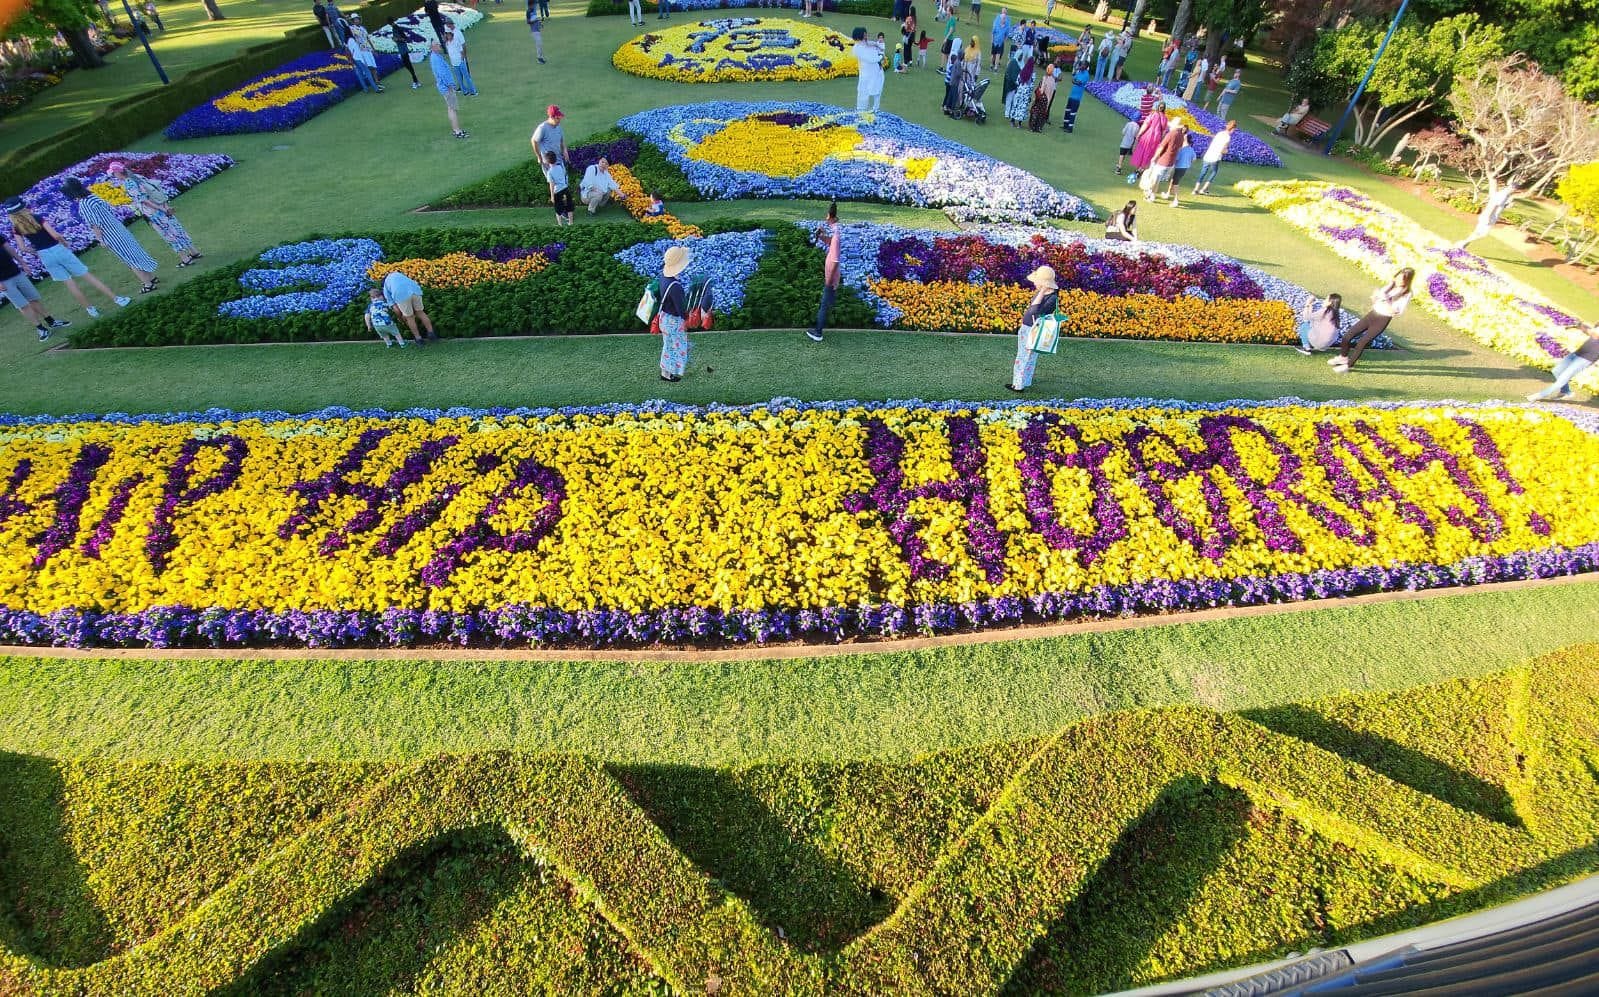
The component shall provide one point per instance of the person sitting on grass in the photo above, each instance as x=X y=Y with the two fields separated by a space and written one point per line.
x=657 y=206
x=379 y=318
x=598 y=186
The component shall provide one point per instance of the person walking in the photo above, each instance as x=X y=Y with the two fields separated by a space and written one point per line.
x=101 y=219
x=1185 y=160
x=1569 y=367
x=977 y=11
x=16 y=288
x=336 y=21
x=1074 y=100
x=1046 y=298
x=1212 y=84
x=1229 y=93
x=1102 y=58
x=910 y=37
x=1195 y=78
x=635 y=13
x=1164 y=162
x=444 y=80
x=150 y=201
x=1190 y=56
x=1387 y=304
x=550 y=137
x=673 y=314
x=535 y=26
x=1318 y=324
x=1169 y=65
x=1049 y=12
x=319 y=10
x=403 y=50
x=1210 y=163
x=996 y=38
x=598 y=187
x=1125 y=149
x=1021 y=99
x=1151 y=131
x=665 y=7
x=455 y=49
x=832 y=269
x=1043 y=99
x=1118 y=58
x=870 y=79
x=59 y=262
x=953 y=71
x=154 y=14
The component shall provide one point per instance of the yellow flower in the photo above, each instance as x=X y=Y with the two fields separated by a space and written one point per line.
x=739 y=50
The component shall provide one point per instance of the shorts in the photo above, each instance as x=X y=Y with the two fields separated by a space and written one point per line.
x=563 y=201
x=61 y=264
x=997 y=49
x=945 y=49
x=19 y=290
x=1178 y=174
x=450 y=100
x=409 y=306
x=1125 y=150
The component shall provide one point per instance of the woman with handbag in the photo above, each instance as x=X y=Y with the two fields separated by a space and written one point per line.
x=673 y=315
x=1045 y=299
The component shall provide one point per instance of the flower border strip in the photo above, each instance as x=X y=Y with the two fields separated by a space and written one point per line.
x=1246 y=149
x=164 y=627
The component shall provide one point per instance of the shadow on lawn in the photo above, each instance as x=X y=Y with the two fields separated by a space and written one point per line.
x=46 y=909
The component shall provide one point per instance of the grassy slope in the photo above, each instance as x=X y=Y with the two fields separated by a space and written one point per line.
x=884 y=705
x=190 y=42
x=1125 y=849
x=369 y=162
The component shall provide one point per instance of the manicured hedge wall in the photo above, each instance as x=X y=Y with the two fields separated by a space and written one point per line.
x=130 y=120
x=584 y=291
x=1125 y=849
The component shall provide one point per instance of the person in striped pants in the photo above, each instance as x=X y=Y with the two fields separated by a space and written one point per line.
x=102 y=220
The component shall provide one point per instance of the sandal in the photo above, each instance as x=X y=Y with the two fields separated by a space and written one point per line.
x=185 y=263
x=147 y=288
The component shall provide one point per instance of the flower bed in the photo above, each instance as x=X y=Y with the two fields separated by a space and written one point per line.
x=927 y=279
x=523 y=185
x=665 y=523
x=1461 y=288
x=733 y=149
x=1245 y=148
x=738 y=50
x=285 y=98
x=632 y=196
x=417 y=30
x=727 y=260
x=174 y=172
x=500 y=264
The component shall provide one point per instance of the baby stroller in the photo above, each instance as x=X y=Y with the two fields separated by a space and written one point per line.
x=971 y=99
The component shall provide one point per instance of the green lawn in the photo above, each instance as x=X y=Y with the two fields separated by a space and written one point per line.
x=368 y=163
x=190 y=42
x=885 y=705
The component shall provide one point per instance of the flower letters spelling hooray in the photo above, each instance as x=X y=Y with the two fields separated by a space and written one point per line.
x=738 y=49
x=666 y=522
x=734 y=149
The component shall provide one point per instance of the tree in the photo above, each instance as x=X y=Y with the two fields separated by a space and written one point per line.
x=1520 y=130
x=1579 y=194
x=1414 y=77
x=1227 y=19
x=43 y=19
x=1179 y=22
x=1562 y=36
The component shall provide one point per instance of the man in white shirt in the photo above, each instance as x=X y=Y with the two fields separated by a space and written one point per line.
x=870 y=82
x=598 y=186
x=1210 y=163
x=1102 y=64
x=455 y=51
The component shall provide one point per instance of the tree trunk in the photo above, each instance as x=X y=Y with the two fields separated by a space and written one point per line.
x=212 y=11
x=1212 y=47
x=1138 y=15
x=1380 y=133
x=1179 y=23
x=83 y=49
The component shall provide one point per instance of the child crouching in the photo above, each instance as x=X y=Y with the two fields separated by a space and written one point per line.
x=380 y=319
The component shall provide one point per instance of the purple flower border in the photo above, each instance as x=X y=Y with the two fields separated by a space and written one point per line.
x=522 y=625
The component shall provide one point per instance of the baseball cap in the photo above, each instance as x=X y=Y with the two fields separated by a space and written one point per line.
x=553 y=111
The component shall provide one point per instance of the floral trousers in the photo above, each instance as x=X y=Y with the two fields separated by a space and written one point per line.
x=172 y=231
x=674 y=346
x=1021 y=375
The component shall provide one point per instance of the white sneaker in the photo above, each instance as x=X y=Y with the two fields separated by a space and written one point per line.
x=93 y=311
x=122 y=300
x=1338 y=361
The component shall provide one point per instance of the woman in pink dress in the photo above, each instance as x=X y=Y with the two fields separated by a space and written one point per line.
x=1150 y=131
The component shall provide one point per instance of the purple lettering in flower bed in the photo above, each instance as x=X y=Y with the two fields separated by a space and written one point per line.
x=727 y=261
x=1123 y=98
x=173 y=172
x=735 y=149
x=285 y=98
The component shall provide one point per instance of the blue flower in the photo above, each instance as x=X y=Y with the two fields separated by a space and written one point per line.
x=336 y=269
x=728 y=261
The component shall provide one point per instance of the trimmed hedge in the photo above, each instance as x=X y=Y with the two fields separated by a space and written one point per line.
x=1128 y=848
x=524 y=186
x=585 y=290
x=130 y=120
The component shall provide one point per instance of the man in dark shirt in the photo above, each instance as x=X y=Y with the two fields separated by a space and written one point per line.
x=320 y=9
x=431 y=9
x=19 y=290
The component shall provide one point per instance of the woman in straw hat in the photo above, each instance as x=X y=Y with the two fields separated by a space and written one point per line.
x=1045 y=298
x=674 y=314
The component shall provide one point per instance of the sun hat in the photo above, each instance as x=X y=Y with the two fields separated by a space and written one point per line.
x=676 y=261
x=553 y=111
x=116 y=166
x=1043 y=277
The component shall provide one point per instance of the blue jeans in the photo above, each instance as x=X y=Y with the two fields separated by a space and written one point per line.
x=1207 y=173
x=829 y=292
x=1568 y=368
x=363 y=75
x=544 y=9
x=666 y=9
x=1165 y=74
x=1101 y=67
x=463 y=79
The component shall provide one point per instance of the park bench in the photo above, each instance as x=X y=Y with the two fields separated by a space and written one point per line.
x=1311 y=128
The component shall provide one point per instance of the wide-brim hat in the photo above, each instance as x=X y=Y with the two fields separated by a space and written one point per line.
x=1043 y=277
x=676 y=261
